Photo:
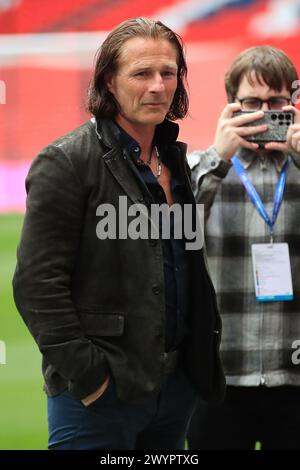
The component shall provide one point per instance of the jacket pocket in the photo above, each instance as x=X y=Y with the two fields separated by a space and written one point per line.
x=102 y=324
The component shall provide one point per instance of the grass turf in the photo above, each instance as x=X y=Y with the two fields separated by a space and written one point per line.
x=23 y=422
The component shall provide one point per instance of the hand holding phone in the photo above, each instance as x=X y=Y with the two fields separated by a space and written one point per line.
x=231 y=132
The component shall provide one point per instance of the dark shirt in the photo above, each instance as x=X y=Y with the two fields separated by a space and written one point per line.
x=175 y=258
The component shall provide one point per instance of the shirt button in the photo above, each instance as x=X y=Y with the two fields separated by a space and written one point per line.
x=137 y=149
x=156 y=290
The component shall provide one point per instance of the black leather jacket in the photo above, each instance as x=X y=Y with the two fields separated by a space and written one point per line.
x=96 y=307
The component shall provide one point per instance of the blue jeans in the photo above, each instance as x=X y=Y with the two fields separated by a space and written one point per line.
x=109 y=423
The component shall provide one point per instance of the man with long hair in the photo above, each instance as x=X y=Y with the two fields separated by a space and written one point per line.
x=127 y=325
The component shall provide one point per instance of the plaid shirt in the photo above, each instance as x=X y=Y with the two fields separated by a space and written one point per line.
x=257 y=337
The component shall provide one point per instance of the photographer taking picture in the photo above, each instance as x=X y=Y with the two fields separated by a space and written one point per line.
x=251 y=231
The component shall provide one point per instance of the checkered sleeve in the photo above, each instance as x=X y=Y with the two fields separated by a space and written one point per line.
x=208 y=171
x=296 y=158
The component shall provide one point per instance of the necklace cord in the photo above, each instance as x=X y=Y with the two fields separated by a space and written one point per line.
x=158 y=161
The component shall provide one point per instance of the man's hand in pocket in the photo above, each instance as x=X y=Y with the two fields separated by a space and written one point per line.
x=97 y=394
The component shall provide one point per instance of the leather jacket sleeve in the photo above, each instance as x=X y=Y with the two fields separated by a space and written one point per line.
x=45 y=261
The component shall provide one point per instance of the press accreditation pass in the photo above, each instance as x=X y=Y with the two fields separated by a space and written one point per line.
x=272 y=272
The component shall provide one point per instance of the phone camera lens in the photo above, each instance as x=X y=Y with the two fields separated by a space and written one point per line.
x=273 y=117
x=280 y=117
x=288 y=117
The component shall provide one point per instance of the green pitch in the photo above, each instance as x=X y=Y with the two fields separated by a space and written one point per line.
x=23 y=421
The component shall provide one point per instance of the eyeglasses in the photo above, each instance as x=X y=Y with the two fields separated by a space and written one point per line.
x=274 y=103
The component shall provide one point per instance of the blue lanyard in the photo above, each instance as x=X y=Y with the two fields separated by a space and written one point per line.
x=255 y=198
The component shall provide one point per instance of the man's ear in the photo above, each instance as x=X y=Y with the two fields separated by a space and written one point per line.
x=109 y=81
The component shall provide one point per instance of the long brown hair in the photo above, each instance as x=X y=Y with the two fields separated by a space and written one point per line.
x=101 y=102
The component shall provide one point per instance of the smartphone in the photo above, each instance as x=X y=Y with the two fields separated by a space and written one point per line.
x=277 y=122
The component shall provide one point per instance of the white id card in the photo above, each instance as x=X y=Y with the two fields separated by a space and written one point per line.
x=272 y=272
